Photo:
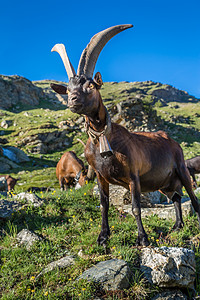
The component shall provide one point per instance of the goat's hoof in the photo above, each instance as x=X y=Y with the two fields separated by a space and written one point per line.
x=102 y=239
x=177 y=226
x=142 y=241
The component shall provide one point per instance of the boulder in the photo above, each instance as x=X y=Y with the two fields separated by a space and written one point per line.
x=169 y=266
x=120 y=196
x=27 y=238
x=164 y=211
x=6 y=165
x=15 y=154
x=111 y=274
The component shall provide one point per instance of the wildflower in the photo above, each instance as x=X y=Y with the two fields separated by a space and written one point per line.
x=86 y=182
x=91 y=220
x=79 y=294
x=32 y=278
x=70 y=190
x=28 y=290
x=69 y=279
x=157 y=240
x=113 y=247
x=119 y=252
x=83 y=289
x=46 y=294
x=32 y=291
x=73 y=216
x=85 y=194
x=112 y=227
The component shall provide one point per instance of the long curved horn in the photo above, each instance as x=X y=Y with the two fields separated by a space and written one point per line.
x=60 y=48
x=91 y=52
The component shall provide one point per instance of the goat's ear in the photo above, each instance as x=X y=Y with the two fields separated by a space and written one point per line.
x=58 y=88
x=98 y=80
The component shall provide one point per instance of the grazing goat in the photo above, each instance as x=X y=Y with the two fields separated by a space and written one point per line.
x=70 y=170
x=8 y=182
x=193 y=165
x=138 y=161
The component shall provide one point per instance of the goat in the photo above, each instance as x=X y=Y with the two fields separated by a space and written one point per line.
x=193 y=165
x=8 y=182
x=70 y=170
x=138 y=161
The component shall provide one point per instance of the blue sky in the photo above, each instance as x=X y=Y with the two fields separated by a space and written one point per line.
x=163 y=45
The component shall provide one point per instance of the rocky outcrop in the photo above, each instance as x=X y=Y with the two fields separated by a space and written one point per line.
x=46 y=142
x=17 y=90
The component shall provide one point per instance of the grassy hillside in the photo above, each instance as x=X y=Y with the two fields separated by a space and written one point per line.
x=69 y=222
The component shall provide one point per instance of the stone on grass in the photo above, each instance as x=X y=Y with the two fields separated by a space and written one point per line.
x=27 y=238
x=112 y=274
x=61 y=263
x=169 y=266
x=170 y=295
x=30 y=198
x=7 y=208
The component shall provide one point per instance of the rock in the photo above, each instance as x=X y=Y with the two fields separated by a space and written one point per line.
x=18 y=90
x=120 y=196
x=170 y=295
x=30 y=198
x=111 y=274
x=7 y=208
x=46 y=142
x=6 y=123
x=27 y=238
x=164 y=211
x=15 y=154
x=7 y=165
x=169 y=266
x=61 y=263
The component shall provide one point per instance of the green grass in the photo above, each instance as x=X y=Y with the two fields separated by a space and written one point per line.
x=69 y=222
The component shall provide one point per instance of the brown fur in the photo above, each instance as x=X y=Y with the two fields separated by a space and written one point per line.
x=11 y=182
x=141 y=162
x=67 y=169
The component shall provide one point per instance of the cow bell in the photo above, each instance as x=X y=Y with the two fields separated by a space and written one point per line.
x=105 y=149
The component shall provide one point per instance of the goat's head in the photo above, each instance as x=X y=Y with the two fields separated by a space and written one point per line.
x=82 y=90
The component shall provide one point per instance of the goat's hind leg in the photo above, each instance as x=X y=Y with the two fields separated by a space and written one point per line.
x=177 y=204
x=134 y=186
x=186 y=182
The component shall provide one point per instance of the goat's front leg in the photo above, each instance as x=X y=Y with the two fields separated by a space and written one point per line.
x=134 y=186
x=104 y=204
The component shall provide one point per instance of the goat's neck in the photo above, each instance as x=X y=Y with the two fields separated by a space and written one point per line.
x=98 y=120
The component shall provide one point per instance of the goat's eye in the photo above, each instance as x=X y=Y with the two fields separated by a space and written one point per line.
x=91 y=85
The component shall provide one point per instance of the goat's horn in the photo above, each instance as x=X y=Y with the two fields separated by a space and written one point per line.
x=91 y=52
x=60 y=48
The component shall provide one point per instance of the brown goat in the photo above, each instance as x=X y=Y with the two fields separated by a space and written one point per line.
x=70 y=170
x=10 y=182
x=139 y=161
x=193 y=165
